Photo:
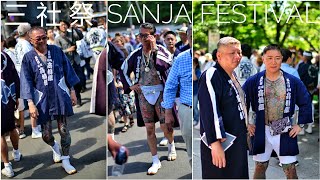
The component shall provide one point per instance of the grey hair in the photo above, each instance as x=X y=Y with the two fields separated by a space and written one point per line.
x=227 y=41
x=36 y=28
x=23 y=29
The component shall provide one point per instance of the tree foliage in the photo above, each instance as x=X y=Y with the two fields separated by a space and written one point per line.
x=271 y=26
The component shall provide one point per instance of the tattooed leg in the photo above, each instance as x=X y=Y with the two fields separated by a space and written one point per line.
x=47 y=133
x=65 y=135
x=260 y=170
x=290 y=171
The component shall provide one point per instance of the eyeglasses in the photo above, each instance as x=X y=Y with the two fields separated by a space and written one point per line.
x=277 y=59
x=40 y=38
x=143 y=35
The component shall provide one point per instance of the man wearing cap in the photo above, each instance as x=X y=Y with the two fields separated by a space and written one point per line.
x=149 y=64
x=22 y=47
x=184 y=43
x=47 y=81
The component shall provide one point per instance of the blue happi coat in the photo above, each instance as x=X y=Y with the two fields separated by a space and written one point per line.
x=53 y=98
x=221 y=112
x=296 y=94
x=163 y=61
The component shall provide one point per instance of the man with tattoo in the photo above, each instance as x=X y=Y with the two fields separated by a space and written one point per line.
x=149 y=64
x=273 y=94
x=47 y=80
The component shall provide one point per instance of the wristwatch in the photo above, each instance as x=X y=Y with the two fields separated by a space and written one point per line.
x=301 y=125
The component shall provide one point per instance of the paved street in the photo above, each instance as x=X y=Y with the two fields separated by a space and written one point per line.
x=88 y=148
x=140 y=157
x=308 y=158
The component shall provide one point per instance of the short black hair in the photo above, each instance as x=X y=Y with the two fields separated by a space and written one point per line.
x=300 y=51
x=214 y=54
x=149 y=26
x=11 y=42
x=286 y=54
x=169 y=32
x=94 y=22
x=66 y=22
x=271 y=47
x=246 y=50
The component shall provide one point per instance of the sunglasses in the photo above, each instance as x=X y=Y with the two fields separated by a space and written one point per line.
x=143 y=35
x=40 y=38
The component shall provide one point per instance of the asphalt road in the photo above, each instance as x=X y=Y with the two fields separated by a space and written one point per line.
x=308 y=158
x=140 y=157
x=88 y=148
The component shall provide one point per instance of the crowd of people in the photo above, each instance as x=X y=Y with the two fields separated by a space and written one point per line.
x=43 y=73
x=148 y=76
x=264 y=101
x=156 y=65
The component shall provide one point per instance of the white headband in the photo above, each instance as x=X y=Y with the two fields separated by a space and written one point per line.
x=307 y=54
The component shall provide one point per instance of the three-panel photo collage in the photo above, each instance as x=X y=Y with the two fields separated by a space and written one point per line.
x=160 y=89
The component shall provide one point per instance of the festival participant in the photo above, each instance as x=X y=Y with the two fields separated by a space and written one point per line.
x=47 y=81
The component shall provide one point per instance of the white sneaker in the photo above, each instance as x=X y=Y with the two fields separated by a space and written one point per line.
x=56 y=152
x=16 y=155
x=7 y=171
x=36 y=134
x=67 y=166
x=163 y=142
x=154 y=168
x=22 y=134
x=172 y=154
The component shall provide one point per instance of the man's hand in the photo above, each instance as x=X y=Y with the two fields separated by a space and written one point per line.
x=251 y=129
x=136 y=88
x=33 y=110
x=169 y=119
x=295 y=131
x=17 y=104
x=153 y=43
x=71 y=49
x=114 y=147
x=73 y=97
x=218 y=156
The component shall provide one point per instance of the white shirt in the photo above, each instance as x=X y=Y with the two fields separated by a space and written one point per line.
x=22 y=47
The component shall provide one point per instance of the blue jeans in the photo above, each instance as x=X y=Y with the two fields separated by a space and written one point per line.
x=195 y=108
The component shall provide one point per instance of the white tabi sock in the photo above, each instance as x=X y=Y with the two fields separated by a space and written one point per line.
x=155 y=159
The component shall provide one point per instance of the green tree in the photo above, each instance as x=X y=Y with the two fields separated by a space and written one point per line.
x=264 y=30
